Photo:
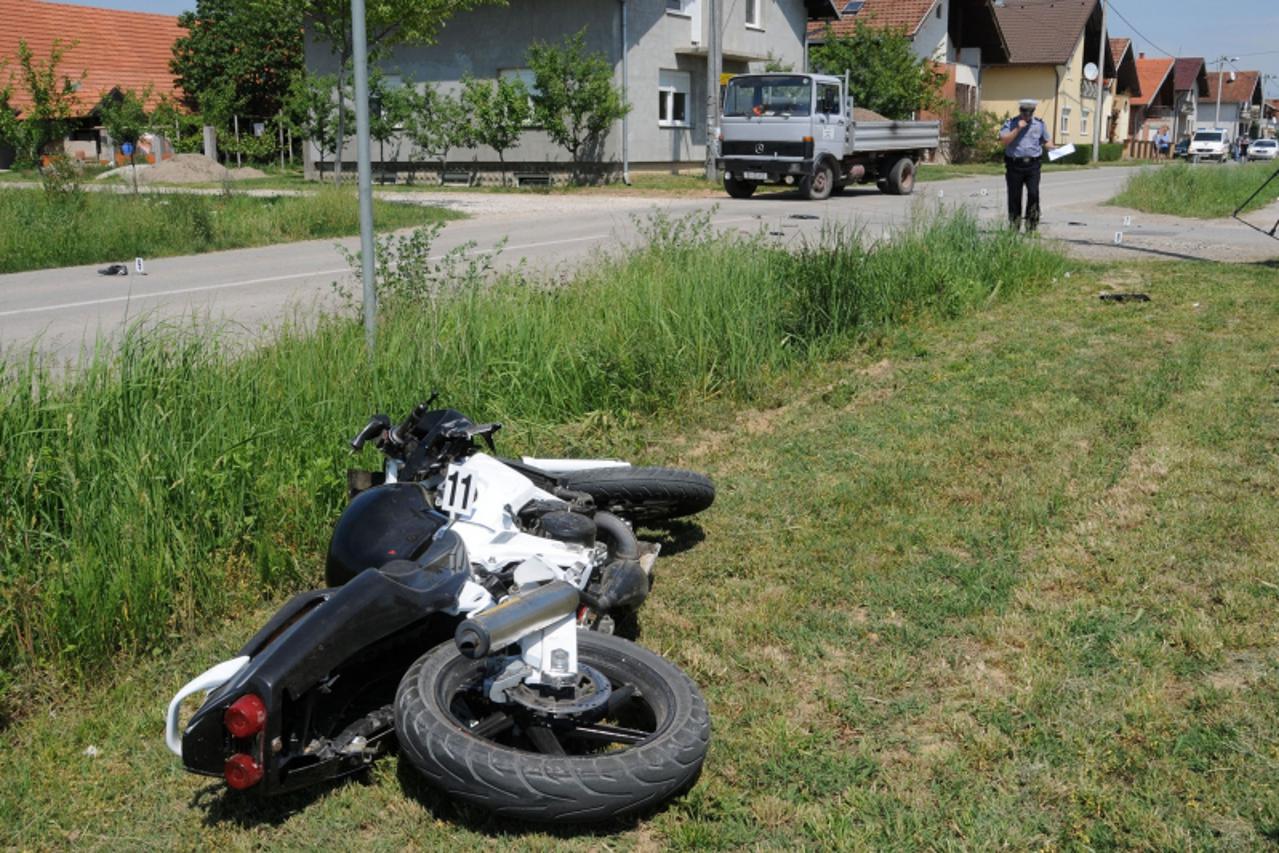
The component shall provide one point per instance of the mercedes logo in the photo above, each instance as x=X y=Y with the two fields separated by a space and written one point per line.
x=759 y=148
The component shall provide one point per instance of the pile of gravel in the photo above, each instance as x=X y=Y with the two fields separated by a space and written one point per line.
x=186 y=169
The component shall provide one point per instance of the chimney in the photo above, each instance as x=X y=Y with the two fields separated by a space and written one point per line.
x=1141 y=56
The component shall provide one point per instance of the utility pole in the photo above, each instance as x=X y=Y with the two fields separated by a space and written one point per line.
x=1221 y=61
x=1102 y=47
x=363 y=158
x=714 y=62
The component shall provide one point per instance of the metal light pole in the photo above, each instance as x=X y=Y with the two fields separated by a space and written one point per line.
x=714 y=58
x=1101 y=81
x=1221 y=61
x=362 y=154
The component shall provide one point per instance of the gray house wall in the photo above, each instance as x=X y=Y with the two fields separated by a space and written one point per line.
x=488 y=40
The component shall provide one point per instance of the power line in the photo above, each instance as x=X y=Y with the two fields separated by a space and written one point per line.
x=1137 y=31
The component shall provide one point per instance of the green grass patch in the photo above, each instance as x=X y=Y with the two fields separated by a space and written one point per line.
x=175 y=480
x=1203 y=190
x=998 y=580
x=39 y=230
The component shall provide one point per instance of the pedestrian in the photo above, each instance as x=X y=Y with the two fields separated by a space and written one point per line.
x=1025 y=138
x=1163 y=142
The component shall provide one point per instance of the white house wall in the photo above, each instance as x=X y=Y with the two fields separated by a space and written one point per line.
x=486 y=40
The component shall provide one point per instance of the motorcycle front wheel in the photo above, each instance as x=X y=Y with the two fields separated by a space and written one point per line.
x=642 y=745
x=644 y=495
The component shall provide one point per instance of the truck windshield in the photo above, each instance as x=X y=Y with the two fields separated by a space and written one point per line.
x=1208 y=136
x=769 y=95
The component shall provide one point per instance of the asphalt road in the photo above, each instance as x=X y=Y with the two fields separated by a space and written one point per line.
x=62 y=312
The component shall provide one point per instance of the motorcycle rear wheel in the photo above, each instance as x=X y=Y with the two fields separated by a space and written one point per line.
x=645 y=750
x=644 y=495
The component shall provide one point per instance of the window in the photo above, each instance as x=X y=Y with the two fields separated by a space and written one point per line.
x=755 y=13
x=672 y=98
x=828 y=99
x=764 y=95
x=677 y=7
x=1065 y=121
x=940 y=6
x=1083 y=122
x=525 y=76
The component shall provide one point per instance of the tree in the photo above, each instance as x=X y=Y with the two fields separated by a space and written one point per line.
x=251 y=47
x=389 y=110
x=499 y=112
x=387 y=23
x=439 y=123
x=124 y=114
x=310 y=110
x=576 y=102
x=884 y=74
x=52 y=96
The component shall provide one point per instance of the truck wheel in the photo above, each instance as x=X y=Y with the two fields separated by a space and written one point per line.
x=901 y=177
x=818 y=186
x=739 y=189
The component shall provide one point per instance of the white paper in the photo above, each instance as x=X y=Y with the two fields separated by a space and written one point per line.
x=1064 y=151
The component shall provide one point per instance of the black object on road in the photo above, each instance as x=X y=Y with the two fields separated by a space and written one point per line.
x=1124 y=297
x=114 y=269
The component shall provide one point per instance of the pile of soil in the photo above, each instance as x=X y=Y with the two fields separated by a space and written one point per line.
x=860 y=114
x=185 y=169
x=246 y=172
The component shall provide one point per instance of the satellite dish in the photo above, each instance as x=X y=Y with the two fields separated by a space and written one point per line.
x=1090 y=72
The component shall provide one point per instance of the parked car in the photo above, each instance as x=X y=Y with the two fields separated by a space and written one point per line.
x=1263 y=149
x=1181 y=148
x=1210 y=145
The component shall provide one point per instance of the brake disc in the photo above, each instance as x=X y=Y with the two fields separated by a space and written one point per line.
x=588 y=695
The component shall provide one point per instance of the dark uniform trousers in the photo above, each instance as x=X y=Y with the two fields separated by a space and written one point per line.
x=1022 y=172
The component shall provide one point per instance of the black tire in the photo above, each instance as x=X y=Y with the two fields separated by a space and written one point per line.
x=818 y=186
x=739 y=189
x=435 y=711
x=901 y=177
x=644 y=494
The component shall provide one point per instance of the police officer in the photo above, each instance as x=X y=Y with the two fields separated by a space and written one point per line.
x=1025 y=138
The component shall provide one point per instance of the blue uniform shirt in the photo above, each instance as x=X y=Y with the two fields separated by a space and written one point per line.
x=1030 y=142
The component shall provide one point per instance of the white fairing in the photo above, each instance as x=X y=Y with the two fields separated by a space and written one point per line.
x=493 y=538
x=569 y=466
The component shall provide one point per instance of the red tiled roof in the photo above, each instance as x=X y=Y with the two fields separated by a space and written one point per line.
x=1118 y=47
x=1043 y=32
x=1242 y=89
x=885 y=14
x=125 y=50
x=1151 y=73
x=1186 y=72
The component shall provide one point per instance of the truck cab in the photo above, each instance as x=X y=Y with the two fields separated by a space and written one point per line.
x=800 y=129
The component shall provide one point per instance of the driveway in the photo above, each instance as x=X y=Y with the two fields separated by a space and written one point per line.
x=64 y=310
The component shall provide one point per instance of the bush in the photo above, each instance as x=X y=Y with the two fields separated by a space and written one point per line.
x=975 y=137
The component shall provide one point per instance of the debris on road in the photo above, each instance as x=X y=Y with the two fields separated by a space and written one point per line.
x=114 y=269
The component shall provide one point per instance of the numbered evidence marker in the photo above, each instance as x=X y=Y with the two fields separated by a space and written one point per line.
x=139 y=266
x=1119 y=237
x=459 y=491
x=1127 y=221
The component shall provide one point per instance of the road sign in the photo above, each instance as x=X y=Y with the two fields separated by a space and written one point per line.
x=127 y=149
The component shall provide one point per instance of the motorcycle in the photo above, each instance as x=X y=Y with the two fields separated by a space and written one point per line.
x=453 y=626
x=640 y=495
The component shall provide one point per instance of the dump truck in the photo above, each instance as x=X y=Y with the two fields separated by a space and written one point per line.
x=804 y=130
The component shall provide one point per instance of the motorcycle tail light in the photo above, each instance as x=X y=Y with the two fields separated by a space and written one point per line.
x=242 y=771
x=246 y=716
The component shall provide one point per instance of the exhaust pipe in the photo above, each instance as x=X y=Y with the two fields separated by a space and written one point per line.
x=519 y=615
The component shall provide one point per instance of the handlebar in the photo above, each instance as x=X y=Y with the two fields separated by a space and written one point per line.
x=376 y=426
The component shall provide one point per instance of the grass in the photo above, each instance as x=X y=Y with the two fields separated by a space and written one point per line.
x=946 y=171
x=39 y=230
x=1000 y=580
x=154 y=490
x=1205 y=191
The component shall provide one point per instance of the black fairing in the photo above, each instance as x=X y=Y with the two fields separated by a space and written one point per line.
x=394 y=521
x=327 y=659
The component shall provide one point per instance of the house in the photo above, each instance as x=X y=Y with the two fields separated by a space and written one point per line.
x=1052 y=45
x=1190 y=84
x=1270 y=118
x=657 y=48
x=113 y=50
x=1233 y=101
x=1120 y=90
x=958 y=36
x=1153 y=109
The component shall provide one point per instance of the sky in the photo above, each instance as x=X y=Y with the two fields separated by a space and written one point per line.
x=1248 y=29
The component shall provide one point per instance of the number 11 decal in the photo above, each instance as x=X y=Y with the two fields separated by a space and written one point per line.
x=458 y=492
